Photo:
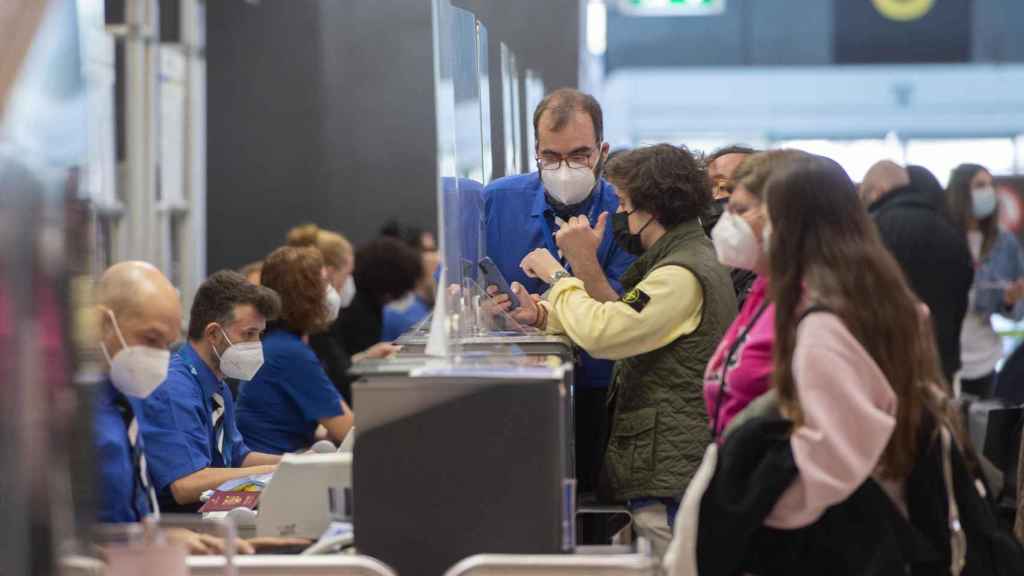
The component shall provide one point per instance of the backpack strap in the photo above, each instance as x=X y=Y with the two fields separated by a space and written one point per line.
x=812 y=309
x=957 y=537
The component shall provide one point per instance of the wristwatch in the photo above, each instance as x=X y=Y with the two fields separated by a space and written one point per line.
x=558 y=276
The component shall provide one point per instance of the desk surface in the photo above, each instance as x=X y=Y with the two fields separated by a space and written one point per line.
x=283 y=565
x=416 y=339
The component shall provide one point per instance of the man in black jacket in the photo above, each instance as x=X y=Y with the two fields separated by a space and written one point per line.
x=722 y=164
x=933 y=255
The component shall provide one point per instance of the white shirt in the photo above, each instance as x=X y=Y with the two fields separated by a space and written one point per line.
x=980 y=346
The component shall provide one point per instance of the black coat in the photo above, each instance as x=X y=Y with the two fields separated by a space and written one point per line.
x=357 y=328
x=865 y=535
x=935 y=258
x=335 y=359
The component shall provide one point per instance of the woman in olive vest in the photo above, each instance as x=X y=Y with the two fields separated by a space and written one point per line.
x=677 y=304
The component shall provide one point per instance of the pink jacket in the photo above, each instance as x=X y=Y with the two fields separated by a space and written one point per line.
x=849 y=415
x=750 y=372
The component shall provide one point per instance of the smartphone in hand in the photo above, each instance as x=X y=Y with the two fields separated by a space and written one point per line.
x=493 y=277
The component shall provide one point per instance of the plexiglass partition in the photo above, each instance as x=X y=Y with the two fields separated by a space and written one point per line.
x=464 y=165
x=510 y=109
x=483 y=67
x=45 y=422
x=534 y=87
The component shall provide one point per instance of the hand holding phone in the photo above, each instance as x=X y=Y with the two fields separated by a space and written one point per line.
x=493 y=277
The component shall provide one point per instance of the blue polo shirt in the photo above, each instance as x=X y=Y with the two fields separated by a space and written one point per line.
x=177 y=423
x=518 y=219
x=401 y=316
x=121 y=496
x=279 y=409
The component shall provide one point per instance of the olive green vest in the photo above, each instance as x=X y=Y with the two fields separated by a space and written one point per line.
x=659 y=427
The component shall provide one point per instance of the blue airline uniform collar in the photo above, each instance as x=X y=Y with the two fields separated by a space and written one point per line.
x=200 y=371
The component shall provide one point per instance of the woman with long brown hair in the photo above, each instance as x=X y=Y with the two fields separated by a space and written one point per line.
x=855 y=363
x=998 y=277
x=280 y=408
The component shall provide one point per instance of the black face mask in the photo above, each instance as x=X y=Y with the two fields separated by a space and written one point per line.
x=629 y=241
x=712 y=213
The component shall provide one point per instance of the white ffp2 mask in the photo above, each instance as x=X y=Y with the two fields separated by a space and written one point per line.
x=333 y=303
x=735 y=243
x=569 y=185
x=136 y=371
x=348 y=292
x=240 y=361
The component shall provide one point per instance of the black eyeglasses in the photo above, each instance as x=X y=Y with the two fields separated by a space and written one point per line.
x=575 y=159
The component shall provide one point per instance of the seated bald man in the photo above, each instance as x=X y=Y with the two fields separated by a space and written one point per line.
x=192 y=443
x=140 y=317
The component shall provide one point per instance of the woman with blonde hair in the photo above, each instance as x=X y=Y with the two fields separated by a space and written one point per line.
x=339 y=260
x=335 y=345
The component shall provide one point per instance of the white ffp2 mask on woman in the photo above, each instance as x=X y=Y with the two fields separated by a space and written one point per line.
x=735 y=243
x=333 y=303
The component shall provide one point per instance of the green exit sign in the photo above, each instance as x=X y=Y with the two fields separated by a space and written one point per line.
x=672 y=7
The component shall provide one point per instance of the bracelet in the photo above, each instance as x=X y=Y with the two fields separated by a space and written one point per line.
x=558 y=276
x=542 y=316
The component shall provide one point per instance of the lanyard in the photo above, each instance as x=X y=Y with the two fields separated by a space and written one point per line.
x=722 y=384
x=218 y=437
x=141 y=486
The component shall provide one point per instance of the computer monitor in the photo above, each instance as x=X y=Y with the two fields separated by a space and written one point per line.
x=306 y=493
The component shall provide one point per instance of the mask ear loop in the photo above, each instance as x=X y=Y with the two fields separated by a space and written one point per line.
x=644 y=227
x=225 y=335
x=117 y=330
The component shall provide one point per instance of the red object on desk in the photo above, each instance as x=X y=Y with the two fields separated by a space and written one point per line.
x=227 y=501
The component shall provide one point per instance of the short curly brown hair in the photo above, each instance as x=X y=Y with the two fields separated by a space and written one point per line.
x=666 y=181
x=218 y=295
x=296 y=275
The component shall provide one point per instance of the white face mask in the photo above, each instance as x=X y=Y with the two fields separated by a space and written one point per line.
x=735 y=243
x=983 y=202
x=240 y=361
x=136 y=370
x=348 y=292
x=569 y=185
x=333 y=303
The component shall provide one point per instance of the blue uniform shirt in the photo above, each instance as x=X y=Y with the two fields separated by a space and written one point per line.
x=177 y=423
x=400 y=317
x=518 y=220
x=122 y=497
x=278 y=411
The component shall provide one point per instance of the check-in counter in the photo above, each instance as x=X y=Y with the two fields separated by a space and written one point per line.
x=456 y=460
x=416 y=343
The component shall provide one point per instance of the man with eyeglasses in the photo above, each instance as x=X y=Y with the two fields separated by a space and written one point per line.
x=722 y=164
x=523 y=213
